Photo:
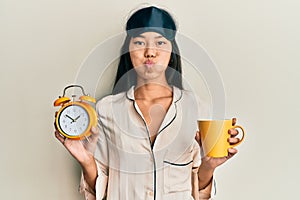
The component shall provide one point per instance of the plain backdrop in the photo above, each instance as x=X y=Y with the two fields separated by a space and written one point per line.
x=254 y=44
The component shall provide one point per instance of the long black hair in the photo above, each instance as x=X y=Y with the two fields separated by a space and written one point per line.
x=148 y=19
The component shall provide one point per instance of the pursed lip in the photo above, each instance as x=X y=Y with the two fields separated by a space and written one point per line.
x=149 y=63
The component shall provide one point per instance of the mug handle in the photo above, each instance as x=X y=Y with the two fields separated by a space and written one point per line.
x=240 y=127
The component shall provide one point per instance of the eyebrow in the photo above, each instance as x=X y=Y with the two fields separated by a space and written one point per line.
x=156 y=37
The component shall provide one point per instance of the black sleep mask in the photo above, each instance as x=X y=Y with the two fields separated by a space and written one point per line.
x=151 y=19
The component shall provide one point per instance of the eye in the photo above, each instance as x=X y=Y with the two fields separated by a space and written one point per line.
x=160 y=43
x=139 y=43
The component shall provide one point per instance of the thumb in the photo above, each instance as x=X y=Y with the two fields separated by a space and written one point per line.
x=90 y=142
x=198 y=138
x=94 y=134
x=95 y=130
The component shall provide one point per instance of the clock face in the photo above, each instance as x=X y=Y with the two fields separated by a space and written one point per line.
x=73 y=120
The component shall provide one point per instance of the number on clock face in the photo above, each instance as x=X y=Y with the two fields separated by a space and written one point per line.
x=73 y=120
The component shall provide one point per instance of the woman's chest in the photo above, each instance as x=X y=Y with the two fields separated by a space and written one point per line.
x=153 y=113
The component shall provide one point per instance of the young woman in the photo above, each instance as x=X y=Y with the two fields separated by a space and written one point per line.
x=146 y=145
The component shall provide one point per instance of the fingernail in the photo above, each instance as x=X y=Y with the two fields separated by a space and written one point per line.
x=94 y=129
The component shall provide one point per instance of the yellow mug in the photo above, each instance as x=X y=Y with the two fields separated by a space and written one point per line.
x=214 y=136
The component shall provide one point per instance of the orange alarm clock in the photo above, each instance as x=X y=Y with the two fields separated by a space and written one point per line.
x=75 y=118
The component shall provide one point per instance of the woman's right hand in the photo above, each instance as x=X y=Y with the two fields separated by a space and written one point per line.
x=81 y=150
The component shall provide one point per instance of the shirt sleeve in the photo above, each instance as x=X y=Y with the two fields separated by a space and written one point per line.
x=207 y=193
x=101 y=184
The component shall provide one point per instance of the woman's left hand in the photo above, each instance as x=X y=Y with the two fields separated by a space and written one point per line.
x=211 y=163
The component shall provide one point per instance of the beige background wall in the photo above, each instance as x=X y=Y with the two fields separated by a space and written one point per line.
x=255 y=45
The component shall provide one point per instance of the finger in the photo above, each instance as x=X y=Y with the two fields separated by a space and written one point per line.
x=232 y=152
x=233 y=121
x=233 y=140
x=55 y=126
x=233 y=132
x=59 y=137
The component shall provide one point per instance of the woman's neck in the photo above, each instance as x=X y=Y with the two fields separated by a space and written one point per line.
x=150 y=91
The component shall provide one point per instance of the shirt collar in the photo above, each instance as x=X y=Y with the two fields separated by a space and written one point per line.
x=177 y=93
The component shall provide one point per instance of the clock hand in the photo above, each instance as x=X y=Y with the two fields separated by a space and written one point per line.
x=70 y=118
x=76 y=118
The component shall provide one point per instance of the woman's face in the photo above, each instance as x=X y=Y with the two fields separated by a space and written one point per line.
x=150 y=54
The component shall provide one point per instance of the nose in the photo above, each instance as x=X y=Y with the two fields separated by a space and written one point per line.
x=150 y=52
